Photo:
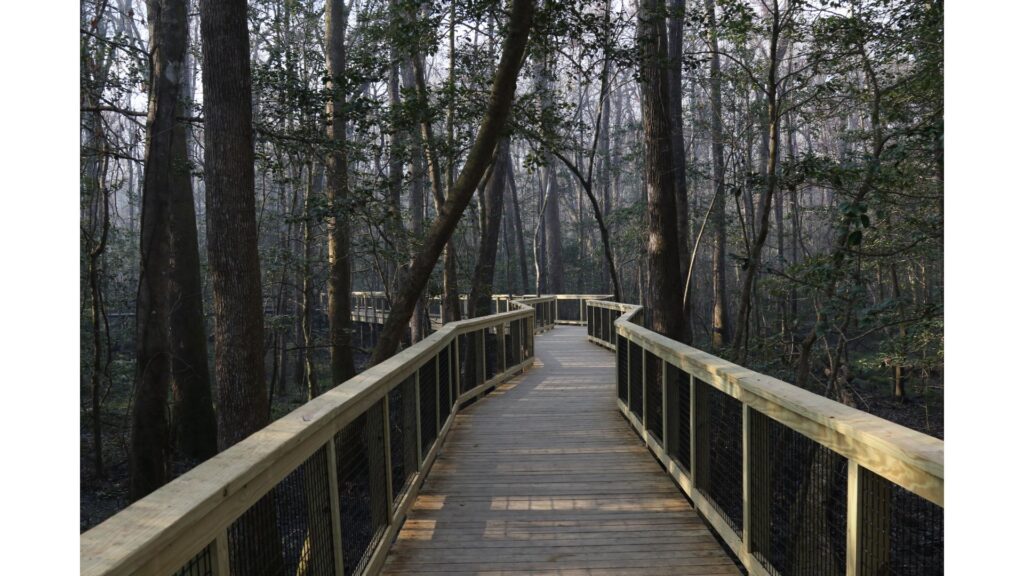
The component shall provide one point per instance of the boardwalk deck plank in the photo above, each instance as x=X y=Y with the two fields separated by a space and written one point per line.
x=544 y=476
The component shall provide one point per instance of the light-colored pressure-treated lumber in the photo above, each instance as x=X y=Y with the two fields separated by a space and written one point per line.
x=544 y=476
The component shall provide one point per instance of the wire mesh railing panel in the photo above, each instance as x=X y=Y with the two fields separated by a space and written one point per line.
x=720 y=452
x=444 y=384
x=289 y=529
x=568 y=310
x=465 y=373
x=490 y=354
x=636 y=380
x=199 y=565
x=680 y=381
x=622 y=368
x=362 y=487
x=515 y=337
x=428 y=405
x=402 y=419
x=509 y=351
x=902 y=534
x=653 y=393
x=254 y=543
x=798 y=501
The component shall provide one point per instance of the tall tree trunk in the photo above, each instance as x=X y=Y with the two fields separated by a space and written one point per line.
x=675 y=110
x=339 y=286
x=232 y=236
x=418 y=325
x=242 y=406
x=150 y=440
x=720 y=329
x=451 y=309
x=666 y=288
x=492 y=200
x=97 y=309
x=491 y=127
x=517 y=222
x=194 y=422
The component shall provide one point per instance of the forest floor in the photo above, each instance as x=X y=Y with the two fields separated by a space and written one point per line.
x=922 y=410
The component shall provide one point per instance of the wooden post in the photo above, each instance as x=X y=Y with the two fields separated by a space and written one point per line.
x=457 y=375
x=629 y=374
x=643 y=387
x=669 y=418
x=386 y=401
x=747 y=467
x=699 y=454
x=221 y=560
x=419 y=426
x=437 y=396
x=853 y=524
x=332 y=485
x=868 y=516
x=500 y=329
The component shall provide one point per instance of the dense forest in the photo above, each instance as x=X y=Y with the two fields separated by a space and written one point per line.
x=764 y=176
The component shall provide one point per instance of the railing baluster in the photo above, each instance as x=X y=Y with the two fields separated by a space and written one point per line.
x=332 y=485
x=437 y=397
x=419 y=425
x=853 y=520
x=221 y=559
x=388 y=480
x=643 y=387
x=669 y=415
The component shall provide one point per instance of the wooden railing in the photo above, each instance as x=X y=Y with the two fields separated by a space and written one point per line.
x=373 y=307
x=324 y=489
x=793 y=482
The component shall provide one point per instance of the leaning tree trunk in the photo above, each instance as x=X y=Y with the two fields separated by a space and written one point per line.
x=666 y=284
x=491 y=208
x=150 y=440
x=339 y=286
x=498 y=107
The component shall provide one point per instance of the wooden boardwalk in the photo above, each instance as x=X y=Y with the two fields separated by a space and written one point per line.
x=544 y=476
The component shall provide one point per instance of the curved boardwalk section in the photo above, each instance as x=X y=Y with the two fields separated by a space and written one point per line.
x=544 y=476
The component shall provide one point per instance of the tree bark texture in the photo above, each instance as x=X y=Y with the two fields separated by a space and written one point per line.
x=242 y=404
x=666 y=289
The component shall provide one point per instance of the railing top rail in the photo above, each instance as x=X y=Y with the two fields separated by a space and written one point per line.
x=613 y=305
x=184 y=515
x=906 y=457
